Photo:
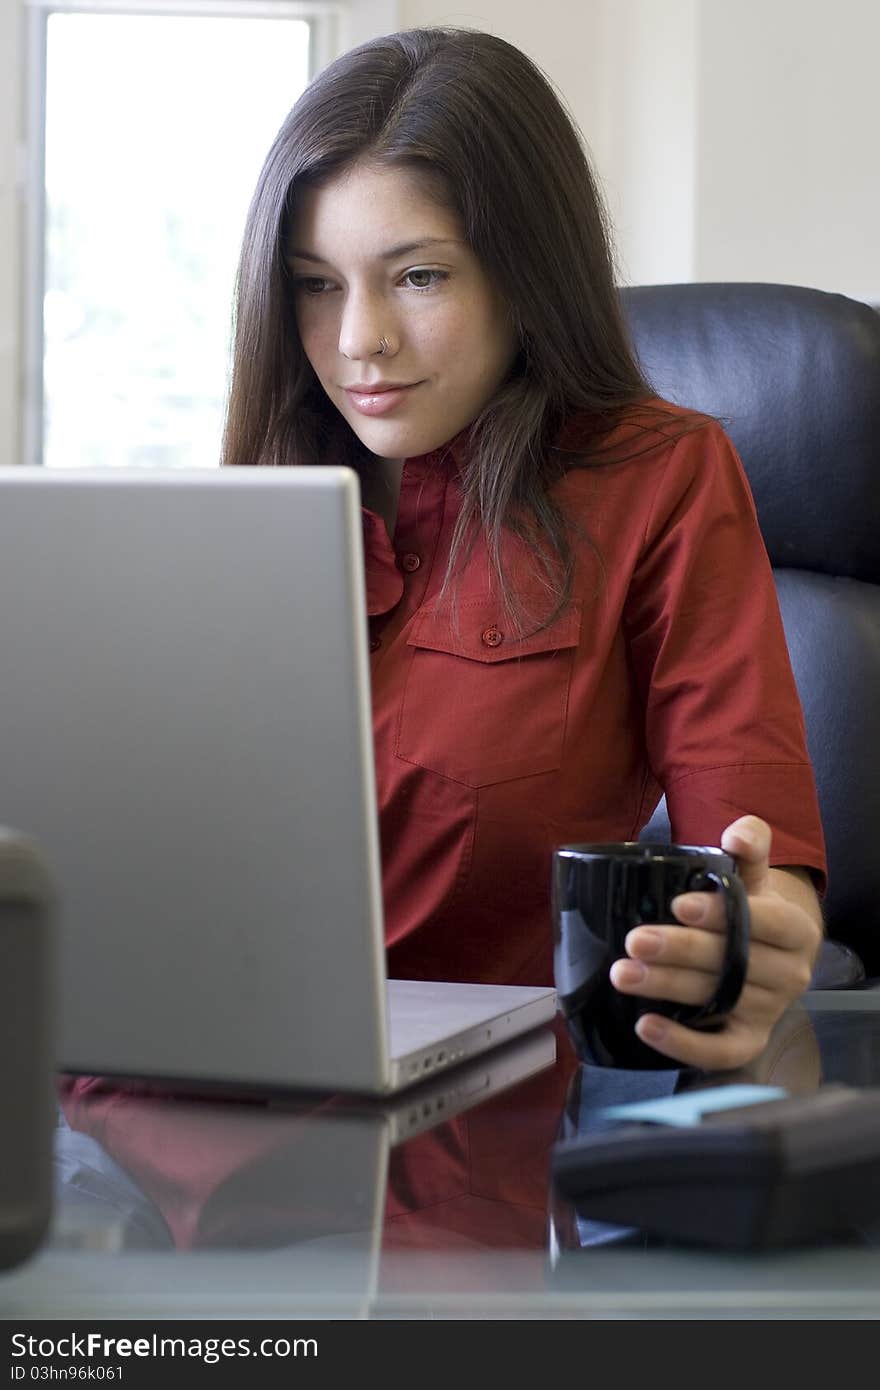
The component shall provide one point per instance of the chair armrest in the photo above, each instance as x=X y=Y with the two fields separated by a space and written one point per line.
x=837 y=967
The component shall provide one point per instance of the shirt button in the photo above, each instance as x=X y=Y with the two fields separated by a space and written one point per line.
x=375 y=643
x=492 y=637
x=410 y=562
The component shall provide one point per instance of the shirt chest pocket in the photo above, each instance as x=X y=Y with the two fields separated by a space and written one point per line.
x=481 y=705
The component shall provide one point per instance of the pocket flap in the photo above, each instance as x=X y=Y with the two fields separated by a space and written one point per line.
x=481 y=632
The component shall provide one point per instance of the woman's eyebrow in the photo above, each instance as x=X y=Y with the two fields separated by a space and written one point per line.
x=402 y=249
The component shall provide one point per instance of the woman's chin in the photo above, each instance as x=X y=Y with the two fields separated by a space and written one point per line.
x=389 y=440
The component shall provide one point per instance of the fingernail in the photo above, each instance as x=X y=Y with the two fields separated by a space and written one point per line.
x=746 y=837
x=628 y=972
x=688 y=909
x=652 y=1029
x=645 y=942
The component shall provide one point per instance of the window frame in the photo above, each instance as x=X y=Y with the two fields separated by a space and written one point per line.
x=329 y=35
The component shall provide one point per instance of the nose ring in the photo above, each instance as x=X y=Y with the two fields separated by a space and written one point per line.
x=383 y=346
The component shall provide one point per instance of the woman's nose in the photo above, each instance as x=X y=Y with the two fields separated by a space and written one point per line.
x=366 y=323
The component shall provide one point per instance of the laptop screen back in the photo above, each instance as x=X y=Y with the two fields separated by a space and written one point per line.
x=185 y=729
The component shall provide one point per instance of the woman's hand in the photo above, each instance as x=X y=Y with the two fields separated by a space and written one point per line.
x=683 y=963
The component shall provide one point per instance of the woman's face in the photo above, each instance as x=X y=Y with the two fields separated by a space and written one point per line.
x=374 y=258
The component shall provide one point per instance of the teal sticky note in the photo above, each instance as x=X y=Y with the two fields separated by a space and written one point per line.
x=688 y=1107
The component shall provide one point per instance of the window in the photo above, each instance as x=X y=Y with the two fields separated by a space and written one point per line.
x=157 y=117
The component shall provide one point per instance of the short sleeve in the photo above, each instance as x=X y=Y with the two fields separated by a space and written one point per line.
x=723 y=720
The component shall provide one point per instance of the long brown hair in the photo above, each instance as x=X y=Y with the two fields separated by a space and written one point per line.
x=483 y=125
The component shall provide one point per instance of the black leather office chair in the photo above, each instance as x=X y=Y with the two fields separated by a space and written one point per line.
x=793 y=374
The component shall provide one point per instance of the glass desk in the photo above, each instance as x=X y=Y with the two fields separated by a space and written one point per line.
x=439 y=1206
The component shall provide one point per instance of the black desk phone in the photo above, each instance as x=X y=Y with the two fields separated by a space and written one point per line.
x=737 y=1167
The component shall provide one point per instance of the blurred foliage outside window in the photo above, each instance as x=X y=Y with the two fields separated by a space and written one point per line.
x=156 y=129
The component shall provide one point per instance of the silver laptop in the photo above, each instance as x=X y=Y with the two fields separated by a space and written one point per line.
x=185 y=730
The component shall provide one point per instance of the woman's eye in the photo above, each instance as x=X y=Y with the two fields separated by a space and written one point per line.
x=425 y=279
x=310 y=284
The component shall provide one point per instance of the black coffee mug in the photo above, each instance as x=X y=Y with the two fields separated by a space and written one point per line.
x=600 y=892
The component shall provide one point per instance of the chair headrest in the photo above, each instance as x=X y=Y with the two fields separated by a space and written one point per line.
x=793 y=375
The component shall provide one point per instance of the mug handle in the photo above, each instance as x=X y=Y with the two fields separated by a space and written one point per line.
x=736 y=955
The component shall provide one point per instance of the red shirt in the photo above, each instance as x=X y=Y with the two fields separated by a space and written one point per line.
x=668 y=672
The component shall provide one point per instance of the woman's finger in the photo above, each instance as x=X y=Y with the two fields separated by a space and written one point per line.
x=774 y=920
x=770 y=968
x=680 y=986
x=733 y=1046
x=749 y=840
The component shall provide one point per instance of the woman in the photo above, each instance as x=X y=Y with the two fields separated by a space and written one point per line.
x=571 y=607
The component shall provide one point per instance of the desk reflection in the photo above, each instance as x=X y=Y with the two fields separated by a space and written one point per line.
x=171 y=1206
x=137 y=1167
x=463 y=1161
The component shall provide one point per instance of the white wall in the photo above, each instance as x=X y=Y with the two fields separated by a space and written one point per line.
x=644 y=69
x=789 y=126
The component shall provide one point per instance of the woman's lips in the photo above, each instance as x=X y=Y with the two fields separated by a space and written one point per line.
x=379 y=402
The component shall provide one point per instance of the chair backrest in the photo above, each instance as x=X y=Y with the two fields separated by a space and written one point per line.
x=793 y=374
